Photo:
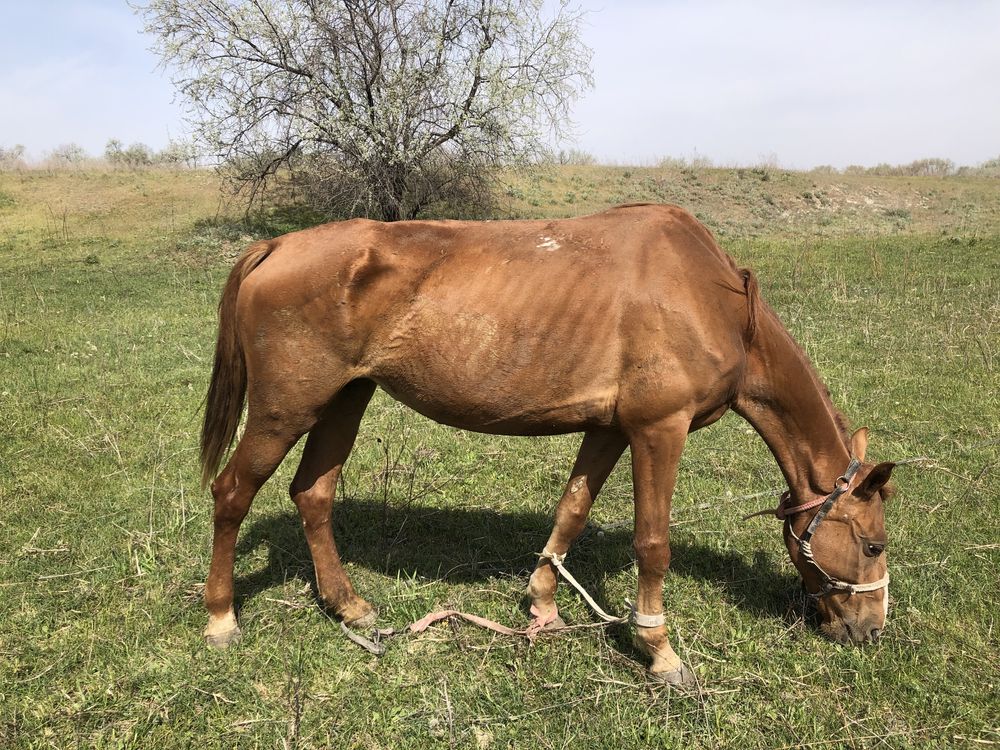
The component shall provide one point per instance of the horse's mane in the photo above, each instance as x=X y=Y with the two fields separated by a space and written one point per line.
x=753 y=300
x=838 y=416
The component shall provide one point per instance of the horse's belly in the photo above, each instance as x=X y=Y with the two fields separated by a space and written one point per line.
x=503 y=411
x=476 y=378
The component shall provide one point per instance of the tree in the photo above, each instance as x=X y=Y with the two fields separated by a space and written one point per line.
x=379 y=106
x=177 y=154
x=136 y=156
x=575 y=157
x=11 y=158
x=68 y=155
x=114 y=152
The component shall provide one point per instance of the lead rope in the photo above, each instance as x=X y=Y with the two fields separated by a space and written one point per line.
x=375 y=643
x=637 y=618
x=557 y=561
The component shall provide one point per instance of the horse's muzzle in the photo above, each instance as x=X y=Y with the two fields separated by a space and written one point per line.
x=842 y=631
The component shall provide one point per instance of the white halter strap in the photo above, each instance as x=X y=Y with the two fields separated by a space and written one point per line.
x=828 y=583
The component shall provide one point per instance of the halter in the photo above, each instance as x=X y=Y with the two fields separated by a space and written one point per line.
x=828 y=584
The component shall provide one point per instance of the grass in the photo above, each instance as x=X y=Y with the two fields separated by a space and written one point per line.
x=763 y=202
x=108 y=284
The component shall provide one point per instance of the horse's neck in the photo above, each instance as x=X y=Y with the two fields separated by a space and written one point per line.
x=787 y=405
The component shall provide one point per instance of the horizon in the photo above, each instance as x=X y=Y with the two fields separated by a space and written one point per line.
x=47 y=159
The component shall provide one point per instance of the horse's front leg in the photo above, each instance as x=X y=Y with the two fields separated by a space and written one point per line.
x=656 y=452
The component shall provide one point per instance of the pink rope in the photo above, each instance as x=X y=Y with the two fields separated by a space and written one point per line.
x=539 y=622
x=783 y=511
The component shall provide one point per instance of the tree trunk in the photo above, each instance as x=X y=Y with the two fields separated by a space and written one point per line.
x=393 y=197
x=389 y=209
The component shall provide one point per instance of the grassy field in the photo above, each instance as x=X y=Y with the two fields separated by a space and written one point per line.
x=108 y=287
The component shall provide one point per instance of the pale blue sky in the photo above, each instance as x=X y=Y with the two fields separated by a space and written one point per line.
x=806 y=82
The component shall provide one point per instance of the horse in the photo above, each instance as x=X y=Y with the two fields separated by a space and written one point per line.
x=631 y=326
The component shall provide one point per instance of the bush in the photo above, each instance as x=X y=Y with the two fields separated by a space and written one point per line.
x=136 y=156
x=933 y=167
x=178 y=154
x=696 y=161
x=68 y=155
x=897 y=213
x=989 y=168
x=11 y=158
x=113 y=152
x=446 y=187
x=930 y=167
x=576 y=158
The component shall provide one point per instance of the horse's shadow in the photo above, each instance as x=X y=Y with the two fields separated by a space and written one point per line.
x=472 y=545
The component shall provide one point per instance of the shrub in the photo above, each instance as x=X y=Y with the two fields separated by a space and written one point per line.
x=68 y=155
x=178 y=154
x=575 y=157
x=11 y=158
x=933 y=167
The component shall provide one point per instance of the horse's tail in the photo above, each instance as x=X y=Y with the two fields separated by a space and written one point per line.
x=227 y=390
x=753 y=302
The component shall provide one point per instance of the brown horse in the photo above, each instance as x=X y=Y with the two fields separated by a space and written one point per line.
x=631 y=326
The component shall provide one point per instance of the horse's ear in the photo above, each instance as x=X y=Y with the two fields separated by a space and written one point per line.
x=876 y=479
x=859 y=443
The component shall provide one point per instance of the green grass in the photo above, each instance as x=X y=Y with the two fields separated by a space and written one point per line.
x=108 y=287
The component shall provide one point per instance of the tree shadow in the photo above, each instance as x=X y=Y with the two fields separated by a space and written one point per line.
x=466 y=545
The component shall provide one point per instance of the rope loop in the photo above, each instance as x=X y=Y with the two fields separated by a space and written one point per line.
x=557 y=560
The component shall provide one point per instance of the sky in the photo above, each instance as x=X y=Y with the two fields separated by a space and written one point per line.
x=797 y=83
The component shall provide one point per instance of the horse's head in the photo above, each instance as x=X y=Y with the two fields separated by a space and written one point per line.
x=840 y=550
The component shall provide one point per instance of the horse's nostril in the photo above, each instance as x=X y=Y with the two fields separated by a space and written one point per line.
x=876 y=632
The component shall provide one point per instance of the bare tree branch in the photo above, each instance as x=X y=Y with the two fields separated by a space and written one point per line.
x=379 y=106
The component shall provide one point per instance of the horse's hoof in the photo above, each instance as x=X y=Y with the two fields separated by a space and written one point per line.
x=224 y=639
x=222 y=630
x=680 y=677
x=555 y=624
x=366 y=621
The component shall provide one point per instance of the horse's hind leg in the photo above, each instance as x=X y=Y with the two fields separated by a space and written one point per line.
x=313 y=489
x=597 y=457
x=257 y=455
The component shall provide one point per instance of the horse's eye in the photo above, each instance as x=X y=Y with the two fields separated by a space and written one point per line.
x=873 y=549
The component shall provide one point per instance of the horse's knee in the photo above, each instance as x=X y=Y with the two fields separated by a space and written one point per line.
x=314 y=503
x=231 y=505
x=572 y=513
x=223 y=484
